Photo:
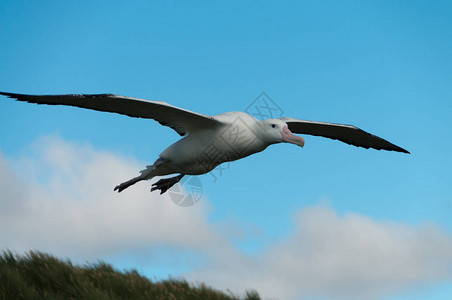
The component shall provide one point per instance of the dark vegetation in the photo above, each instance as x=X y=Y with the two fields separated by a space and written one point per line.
x=37 y=275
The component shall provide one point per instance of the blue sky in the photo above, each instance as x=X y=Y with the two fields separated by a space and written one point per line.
x=382 y=66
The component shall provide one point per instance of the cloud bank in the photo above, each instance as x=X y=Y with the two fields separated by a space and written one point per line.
x=60 y=200
x=349 y=257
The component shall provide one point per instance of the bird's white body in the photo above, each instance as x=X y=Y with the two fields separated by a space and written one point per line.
x=208 y=141
x=239 y=135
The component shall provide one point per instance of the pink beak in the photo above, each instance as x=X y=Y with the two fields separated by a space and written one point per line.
x=289 y=137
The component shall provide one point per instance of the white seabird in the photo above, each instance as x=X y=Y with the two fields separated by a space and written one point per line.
x=208 y=141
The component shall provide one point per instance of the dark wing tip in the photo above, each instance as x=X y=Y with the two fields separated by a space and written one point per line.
x=10 y=95
x=396 y=148
x=399 y=149
x=382 y=144
x=15 y=95
x=19 y=97
x=404 y=151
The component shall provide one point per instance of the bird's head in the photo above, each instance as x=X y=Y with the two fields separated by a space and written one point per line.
x=277 y=131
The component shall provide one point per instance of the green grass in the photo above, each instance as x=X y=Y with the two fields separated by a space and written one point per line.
x=37 y=275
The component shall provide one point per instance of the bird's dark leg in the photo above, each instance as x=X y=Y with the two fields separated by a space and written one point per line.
x=164 y=184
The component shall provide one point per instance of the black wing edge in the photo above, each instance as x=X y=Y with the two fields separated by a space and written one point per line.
x=383 y=145
x=42 y=99
x=28 y=97
x=388 y=145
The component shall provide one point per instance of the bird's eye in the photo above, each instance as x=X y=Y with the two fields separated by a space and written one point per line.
x=273 y=125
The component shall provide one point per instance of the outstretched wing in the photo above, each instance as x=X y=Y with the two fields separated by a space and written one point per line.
x=181 y=120
x=345 y=133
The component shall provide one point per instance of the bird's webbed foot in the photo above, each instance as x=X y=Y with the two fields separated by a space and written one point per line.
x=164 y=184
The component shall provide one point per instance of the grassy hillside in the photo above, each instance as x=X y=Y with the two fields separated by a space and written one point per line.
x=36 y=275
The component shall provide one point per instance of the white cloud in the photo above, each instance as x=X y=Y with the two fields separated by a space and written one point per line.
x=64 y=203
x=340 y=258
x=61 y=200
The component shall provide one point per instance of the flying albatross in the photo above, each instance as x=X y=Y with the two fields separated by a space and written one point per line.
x=208 y=141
